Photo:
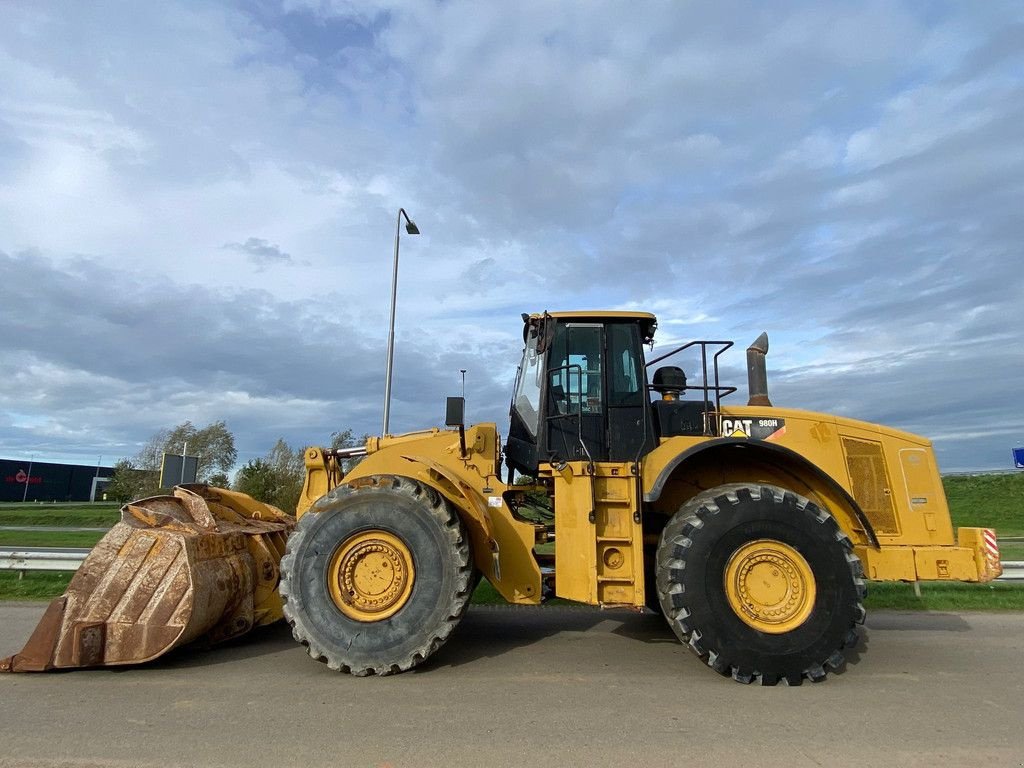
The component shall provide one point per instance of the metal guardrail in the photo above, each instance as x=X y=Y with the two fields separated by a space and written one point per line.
x=23 y=559
x=69 y=559
x=1013 y=570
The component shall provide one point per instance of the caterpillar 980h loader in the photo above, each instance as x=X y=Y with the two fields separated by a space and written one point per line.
x=751 y=528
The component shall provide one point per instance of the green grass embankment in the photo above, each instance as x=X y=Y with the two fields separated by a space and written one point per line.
x=945 y=596
x=56 y=539
x=37 y=585
x=987 y=501
x=65 y=515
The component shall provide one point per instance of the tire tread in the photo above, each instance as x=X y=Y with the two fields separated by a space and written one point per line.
x=435 y=505
x=677 y=539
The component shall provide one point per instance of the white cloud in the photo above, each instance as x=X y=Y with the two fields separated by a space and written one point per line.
x=847 y=177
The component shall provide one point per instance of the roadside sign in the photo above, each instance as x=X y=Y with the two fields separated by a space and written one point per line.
x=1018 y=458
x=177 y=469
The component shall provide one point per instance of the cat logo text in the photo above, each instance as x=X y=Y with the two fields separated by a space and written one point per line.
x=754 y=429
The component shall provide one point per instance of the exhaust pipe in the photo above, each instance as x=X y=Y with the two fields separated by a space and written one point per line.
x=757 y=374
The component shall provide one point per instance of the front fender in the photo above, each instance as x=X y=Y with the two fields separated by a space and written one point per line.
x=502 y=546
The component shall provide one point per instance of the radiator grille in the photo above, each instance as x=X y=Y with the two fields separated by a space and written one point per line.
x=870 y=483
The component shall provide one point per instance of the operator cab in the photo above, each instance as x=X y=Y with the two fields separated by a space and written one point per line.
x=582 y=392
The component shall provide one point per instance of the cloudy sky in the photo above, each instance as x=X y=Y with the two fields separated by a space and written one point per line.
x=198 y=201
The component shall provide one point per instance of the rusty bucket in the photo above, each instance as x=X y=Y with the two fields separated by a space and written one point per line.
x=201 y=563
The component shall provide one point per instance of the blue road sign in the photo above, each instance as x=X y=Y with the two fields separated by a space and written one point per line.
x=1018 y=458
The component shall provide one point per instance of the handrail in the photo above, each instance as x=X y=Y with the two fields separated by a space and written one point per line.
x=717 y=388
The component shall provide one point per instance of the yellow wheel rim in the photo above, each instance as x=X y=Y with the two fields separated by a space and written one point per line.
x=770 y=586
x=371 y=575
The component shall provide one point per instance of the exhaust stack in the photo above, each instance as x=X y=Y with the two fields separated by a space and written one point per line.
x=757 y=374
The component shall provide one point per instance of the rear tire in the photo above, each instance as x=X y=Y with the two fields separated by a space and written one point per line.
x=792 y=619
x=339 y=605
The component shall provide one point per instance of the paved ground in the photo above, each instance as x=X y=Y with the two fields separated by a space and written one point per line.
x=532 y=687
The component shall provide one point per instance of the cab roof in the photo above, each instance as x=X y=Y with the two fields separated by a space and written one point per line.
x=599 y=313
x=648 y=322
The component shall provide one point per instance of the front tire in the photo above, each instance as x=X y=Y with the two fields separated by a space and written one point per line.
x=761 y=584
x=376 y=576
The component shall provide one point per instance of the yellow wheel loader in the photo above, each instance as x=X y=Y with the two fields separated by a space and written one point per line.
x=751 y=528
x=621 y=484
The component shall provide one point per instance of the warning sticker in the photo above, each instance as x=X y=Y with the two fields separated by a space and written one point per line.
x=754 y=429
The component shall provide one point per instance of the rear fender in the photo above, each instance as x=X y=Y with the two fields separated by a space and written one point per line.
x=715 y=462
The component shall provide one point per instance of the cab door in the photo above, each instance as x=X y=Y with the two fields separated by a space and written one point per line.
x=597 y=408
x=630 y=427
x=575 y=405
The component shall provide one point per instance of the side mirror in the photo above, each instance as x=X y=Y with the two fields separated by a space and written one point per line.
x=455 y=412
x=455 y=416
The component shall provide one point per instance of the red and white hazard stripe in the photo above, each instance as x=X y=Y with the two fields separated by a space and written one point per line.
x=991 y=544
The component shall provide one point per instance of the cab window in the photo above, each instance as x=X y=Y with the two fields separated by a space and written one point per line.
x=576 y=369
x=624 y=384
x=527 y=396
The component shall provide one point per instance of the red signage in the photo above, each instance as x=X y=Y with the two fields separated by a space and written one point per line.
x=22 y=478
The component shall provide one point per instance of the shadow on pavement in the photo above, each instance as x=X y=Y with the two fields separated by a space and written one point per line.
x=487 y=631
x=917 y=621
x=260 y=642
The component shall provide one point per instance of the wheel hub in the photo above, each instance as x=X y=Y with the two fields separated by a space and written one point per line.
x=371 y=575
x=770 y=586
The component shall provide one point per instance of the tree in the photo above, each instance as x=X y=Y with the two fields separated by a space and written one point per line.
x=258 y=479
x=152 y=452
x=290 y=469
x=129 y=482
x=213 y=444
x=219 y=480
x=345 y=438
x=275 y=479
x=286 y=461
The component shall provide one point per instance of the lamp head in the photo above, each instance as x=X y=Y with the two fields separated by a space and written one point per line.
x=411 y=227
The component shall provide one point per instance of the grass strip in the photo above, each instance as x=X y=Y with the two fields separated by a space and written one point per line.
x=945 y=596
x=37 y=585
x=49 y=538
x=71 y=515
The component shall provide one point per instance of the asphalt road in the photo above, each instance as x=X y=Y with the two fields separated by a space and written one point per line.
x=531 y=687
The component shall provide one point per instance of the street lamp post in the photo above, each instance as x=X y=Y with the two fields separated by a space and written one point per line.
x=28 y=478
x=412 y=229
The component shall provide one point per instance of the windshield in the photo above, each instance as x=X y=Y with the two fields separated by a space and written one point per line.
x=527 y=397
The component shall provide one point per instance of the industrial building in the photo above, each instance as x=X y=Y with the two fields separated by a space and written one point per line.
x=23 y=480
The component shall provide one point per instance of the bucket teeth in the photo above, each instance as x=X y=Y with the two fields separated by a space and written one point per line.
x=201 y=563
